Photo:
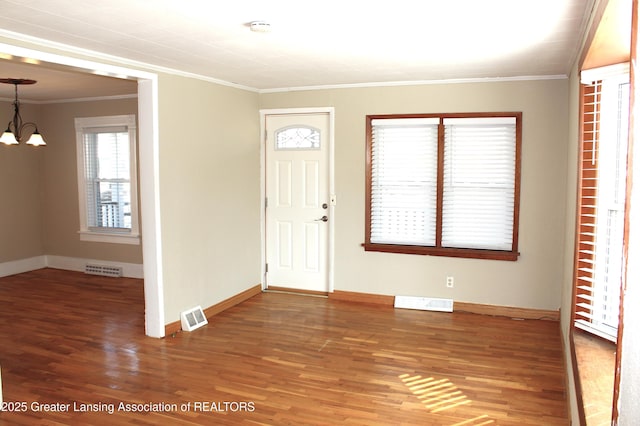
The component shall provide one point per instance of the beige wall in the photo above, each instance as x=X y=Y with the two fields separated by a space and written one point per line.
x=535 y=280
x=20 y=188
x=209 y=192
x=61 y=221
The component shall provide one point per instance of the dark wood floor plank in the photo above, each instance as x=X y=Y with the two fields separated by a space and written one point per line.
x=275 y=359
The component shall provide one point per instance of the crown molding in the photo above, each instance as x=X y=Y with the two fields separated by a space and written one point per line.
x=418 y=83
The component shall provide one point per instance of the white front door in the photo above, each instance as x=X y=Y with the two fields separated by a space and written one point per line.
x=297 y=201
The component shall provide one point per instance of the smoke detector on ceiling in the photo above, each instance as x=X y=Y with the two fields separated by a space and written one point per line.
x=260 y=26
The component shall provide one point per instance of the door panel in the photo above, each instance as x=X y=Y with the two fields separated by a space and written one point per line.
x=311 y=184
x=311 y=242
x=297 y=192
x=284 y=245
x=283 y=185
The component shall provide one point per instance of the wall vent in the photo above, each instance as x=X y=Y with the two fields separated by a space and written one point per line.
x=192 y=319
x=104 y=270
x=424 y=303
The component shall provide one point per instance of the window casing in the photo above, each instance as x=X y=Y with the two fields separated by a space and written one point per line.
x=444 y=184
x=107 y=179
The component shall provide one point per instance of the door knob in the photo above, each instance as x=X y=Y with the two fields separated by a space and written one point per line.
x=323 y=219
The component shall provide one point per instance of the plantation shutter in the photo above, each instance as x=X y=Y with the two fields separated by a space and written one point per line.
x=587 y=203
x=107 y=174
x=404 y=174
x=479 y=183
x=602 y=190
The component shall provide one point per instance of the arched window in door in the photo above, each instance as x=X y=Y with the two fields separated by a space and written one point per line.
x=298 y=138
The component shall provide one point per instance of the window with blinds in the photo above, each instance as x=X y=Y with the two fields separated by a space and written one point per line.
x=479 y=176
x=602 y=189
x=443 y=184
x=403 y=181
x=107 y=178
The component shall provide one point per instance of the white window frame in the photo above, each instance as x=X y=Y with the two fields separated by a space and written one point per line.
x=106 y=235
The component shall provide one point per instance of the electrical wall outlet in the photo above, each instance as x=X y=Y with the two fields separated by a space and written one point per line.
x=450 y=282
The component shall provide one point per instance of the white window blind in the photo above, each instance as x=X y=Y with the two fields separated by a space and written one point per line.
x=108 y=177
x=403 y=181
x=479 y=183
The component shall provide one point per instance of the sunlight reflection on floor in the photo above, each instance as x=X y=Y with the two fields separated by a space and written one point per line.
x=440 y=394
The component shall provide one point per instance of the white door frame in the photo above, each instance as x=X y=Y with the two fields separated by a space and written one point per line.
x=148 y=150
x=263 y=187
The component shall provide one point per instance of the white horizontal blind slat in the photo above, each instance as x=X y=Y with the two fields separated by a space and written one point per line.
x=479 y=183
x=403 y=182
x=107 y=173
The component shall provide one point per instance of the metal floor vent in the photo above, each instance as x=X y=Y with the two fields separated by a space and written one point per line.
x=192 y=319
x=424 y=303
x=106 y=271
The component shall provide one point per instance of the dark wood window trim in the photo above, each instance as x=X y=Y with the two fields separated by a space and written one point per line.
x=438 y=249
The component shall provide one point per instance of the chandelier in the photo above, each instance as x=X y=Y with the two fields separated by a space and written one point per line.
x=15 y=132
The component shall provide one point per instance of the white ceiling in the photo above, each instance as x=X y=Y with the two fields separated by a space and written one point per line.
x=320 y=43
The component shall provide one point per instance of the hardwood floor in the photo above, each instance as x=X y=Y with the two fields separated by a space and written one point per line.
x=77 y=341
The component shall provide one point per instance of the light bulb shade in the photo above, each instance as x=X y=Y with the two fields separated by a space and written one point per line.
x=36 y=139
x=8 y=138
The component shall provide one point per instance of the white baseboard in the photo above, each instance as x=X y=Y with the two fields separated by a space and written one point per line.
x=23 y=265
x=130 y=270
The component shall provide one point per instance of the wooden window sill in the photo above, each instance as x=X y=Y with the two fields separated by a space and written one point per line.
x=595 y=360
